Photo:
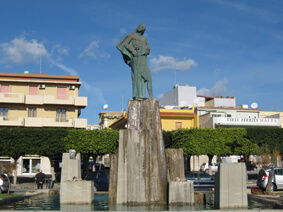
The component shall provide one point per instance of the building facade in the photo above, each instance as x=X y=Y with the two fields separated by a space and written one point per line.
x=37 y=100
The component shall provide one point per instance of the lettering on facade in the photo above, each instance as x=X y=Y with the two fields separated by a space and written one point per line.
x=257 y=121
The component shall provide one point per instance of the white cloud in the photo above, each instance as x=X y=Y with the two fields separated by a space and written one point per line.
x=168 y=62
x=20 y=51
x=69 y=70
x=59 y=51
x=219 y=89
x=93 y=51
x=160 y=96
x=123 y=31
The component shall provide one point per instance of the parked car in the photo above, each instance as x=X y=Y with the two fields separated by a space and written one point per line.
x=4 y=183
x=251 y=166
x=201 y=179
x=205 y=167
x=277 y=180
x=100 y=179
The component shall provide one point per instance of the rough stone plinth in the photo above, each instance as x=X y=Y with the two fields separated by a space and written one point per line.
x=142 y=172
x=73 y=190
x=70 y=167
x=231 y=186
x=113 y=175
x=181 y=193
x=175 y=164
x=76 y=192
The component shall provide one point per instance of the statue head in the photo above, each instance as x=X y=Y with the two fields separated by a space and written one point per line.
x=140 y=28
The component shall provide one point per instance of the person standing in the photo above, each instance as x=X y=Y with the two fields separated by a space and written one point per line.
x=40 y=178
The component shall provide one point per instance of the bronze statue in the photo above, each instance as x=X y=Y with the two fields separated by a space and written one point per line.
x=134 y=48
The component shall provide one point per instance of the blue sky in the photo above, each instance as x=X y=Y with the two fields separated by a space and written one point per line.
x=225 y=48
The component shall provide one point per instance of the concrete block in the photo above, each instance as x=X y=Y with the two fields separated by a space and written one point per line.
x=231 y=186
x=181 y=193
x=70 y=167
x=175 y=164
x=113 y=175
x=76 y=192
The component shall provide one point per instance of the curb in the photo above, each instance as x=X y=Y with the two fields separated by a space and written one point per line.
x=18 y=198
x=276 y=202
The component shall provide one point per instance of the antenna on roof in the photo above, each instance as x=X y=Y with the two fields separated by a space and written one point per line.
x=40 y=47
x=175 y=75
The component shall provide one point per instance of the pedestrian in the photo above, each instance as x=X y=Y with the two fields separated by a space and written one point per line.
x=40 y=178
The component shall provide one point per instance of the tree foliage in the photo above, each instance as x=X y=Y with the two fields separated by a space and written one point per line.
x=268 y=139
x=210 y=142
x=97 y=142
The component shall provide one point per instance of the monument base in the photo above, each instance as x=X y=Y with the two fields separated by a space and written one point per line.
x=76 y=192
x=231 y=186
x=73 y=190
x=181 y=193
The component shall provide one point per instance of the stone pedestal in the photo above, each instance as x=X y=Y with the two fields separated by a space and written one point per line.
x=74 y=190
x=181 y=193
x=175 y=164
x=231 y=186
x=142 y=172
x=112 y=194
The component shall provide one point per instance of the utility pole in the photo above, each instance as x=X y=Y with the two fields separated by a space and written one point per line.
x=40 y=47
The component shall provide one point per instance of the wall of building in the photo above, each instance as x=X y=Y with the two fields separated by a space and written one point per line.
x=272 y=114
x=186 y=95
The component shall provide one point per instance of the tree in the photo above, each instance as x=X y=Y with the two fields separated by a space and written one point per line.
x=92 y=143
x=210 y=142
x=13 y=144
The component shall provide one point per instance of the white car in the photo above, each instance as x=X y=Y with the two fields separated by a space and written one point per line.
x=277 y=181
x=4 y=183
x=205 y=167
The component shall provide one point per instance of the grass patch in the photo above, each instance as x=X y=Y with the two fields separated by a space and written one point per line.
x=5 y=196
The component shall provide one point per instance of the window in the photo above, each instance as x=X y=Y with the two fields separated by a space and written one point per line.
x=32 y=112
x=4 y=113
x=229 y=115
x=216 y=115
x=30 y=165
x=178 y=125
x=33 y=90
x=61 y=92
x=61 y=115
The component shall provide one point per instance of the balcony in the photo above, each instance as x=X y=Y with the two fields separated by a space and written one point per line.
x=11 y=98
x=11 y=121
x=34 y=99
x=81 y=101
x=51 y=122
x=51 y=99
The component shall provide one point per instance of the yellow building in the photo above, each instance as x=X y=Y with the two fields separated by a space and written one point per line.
x=107 y=118
x=37 y=100
x=171 y=119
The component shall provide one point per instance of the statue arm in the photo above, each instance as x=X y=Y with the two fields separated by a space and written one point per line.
x=129 y=47
x=147 y=49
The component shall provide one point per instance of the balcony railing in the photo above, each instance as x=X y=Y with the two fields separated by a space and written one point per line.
x=12 y=98
x=11 y=121
x=51 y=122
x=43 y=99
